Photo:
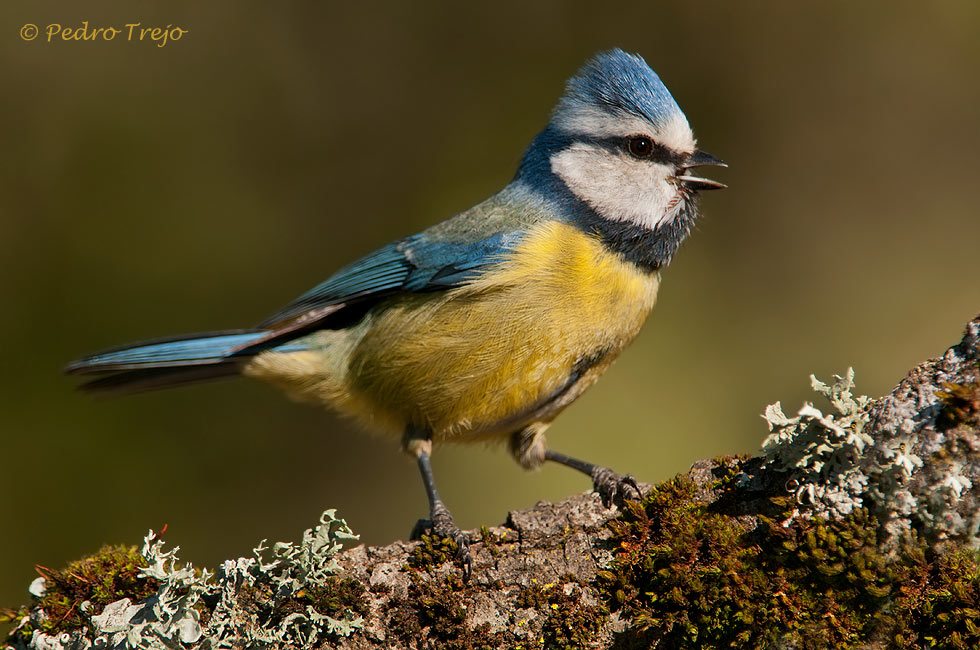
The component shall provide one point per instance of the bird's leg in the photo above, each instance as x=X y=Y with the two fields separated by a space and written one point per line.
x=611 y=486
x=528 y=445
x=440 y=522
x=529 y=448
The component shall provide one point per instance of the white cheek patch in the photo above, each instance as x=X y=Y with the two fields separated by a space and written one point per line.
x=618 y=188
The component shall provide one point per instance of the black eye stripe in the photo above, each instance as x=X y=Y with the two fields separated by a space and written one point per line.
x=659 y=154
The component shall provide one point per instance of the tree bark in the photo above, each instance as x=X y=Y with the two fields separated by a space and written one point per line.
x=906 y=467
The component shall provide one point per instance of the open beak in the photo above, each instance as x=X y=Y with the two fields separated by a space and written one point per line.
x=697 y=159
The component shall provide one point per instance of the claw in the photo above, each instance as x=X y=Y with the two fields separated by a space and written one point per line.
x=613 y=488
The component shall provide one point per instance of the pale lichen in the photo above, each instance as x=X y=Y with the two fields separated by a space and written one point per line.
x=249 y=602
x=892 y=456
x=821 y=452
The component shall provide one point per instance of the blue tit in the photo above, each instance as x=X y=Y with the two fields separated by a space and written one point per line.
x=487 y=325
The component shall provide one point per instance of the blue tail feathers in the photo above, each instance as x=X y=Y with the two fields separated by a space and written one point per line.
x=170 y=362
x=191 y=350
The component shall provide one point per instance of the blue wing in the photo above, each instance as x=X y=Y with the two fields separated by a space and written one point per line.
x=415 y=264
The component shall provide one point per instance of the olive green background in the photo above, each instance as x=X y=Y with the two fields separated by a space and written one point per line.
x=149 y=191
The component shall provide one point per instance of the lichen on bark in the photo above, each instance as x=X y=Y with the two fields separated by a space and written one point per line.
x=855 y=528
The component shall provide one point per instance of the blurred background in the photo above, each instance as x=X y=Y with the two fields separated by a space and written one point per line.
x=148 y=191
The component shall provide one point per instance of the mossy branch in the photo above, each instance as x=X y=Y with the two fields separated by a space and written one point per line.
x=855 y=528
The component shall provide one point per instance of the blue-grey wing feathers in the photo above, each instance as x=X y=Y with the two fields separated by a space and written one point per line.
x=413 y=264
x=380 y=272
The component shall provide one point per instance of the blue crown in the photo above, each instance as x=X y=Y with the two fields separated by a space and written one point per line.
x=621 y=83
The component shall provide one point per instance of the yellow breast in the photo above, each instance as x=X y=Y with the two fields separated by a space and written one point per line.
x=481 y=359
x=482 y=354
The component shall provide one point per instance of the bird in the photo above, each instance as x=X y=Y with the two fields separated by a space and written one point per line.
x=485 y=326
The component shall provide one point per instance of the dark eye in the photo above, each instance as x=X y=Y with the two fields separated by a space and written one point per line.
x=640 y=146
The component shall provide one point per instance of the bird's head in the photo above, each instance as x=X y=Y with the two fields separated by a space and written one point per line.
x=619 y=142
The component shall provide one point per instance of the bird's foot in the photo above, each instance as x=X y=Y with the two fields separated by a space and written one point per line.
x=613 y=488
x=442 y=525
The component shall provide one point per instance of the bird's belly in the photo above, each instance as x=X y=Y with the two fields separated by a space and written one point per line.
x=506 y=349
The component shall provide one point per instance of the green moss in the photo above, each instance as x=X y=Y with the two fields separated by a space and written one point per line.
x=250 y=598
x=434 y=615
x=338 y=597
x=961 y=405
x=490 y=541
x=439 y=606
x=17 y=616
x=688 y=576
x=571 y=623
x=432 y=551
x=109 y=575
x=727 y=470
x=942 y=602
